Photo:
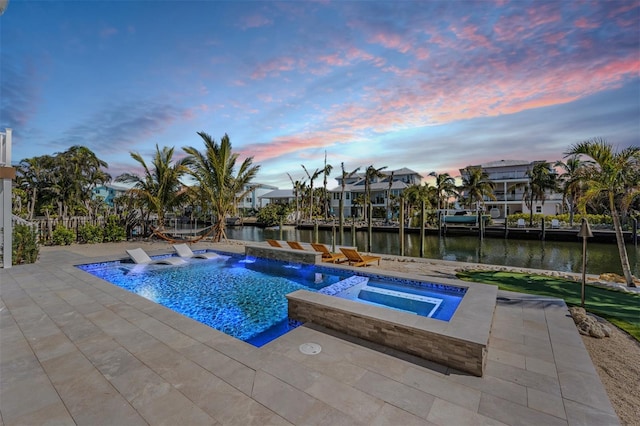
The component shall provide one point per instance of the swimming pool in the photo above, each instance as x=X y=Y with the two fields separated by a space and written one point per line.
x=239 y=296
x=246 y=296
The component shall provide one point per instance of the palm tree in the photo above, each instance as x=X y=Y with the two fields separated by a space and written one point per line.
x=445 y=187
x=214 y=170
x=416 y=194
x=311 y=177
x=615 y=175
x=326 y=171
x=343 y=185
x=389 y=196
x=370 y=174
x=541 y=179
x=33 y=176
x=570 y=182
x=476 y=185
x=159 y=188
x=297 y=189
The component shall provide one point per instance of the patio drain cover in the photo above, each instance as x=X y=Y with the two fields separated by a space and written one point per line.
x=310 y=348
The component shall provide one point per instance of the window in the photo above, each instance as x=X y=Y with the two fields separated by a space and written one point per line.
x=347 y=195
x=538 y=209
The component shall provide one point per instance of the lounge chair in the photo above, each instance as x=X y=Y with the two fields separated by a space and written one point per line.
x=274 y=243
x=295 y=245
x=555 y=224
x=327 y=256
x=140 y=256
x=521 y=223
x=357 y=259
x=185 y=252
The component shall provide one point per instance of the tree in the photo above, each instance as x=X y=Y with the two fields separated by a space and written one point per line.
x=343 y=185
x=370 y=174
x=445 y=187
x=214 y=170
x=476 y=185
x=570 y=182
x=615 y=175
x=416 y=194
x=311 y=177
x=389 y=196
x=159 y=188
x=541 y=179
x=297 y=189
x=326 y=171
x=34 y=177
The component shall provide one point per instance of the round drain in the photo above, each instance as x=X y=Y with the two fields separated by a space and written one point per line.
x=310 y=348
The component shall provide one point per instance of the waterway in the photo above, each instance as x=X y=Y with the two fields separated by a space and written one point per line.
x=550 y=255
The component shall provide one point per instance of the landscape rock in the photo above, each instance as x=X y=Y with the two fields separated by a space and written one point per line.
x=588 y=325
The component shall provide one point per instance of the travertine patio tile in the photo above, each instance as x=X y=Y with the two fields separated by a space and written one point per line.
x=402 y=396
x=445 y=413
x=140 y=385
x=515 y=414
x=540 y=366
x=350 y=401
x=580 y=414
x=292 y=404
x=586 y=388
x=344 y=371
x=53 y=414
x=231 y=371
x=547 y=403
x=439 y=386
x=391 y=415
x=506 y=357
x=14 y=349
x=294 y=373
x=494 y=386
x=522 y=377
x=29 y=395
x=173 y=408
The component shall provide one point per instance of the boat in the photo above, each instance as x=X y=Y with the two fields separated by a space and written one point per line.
x=463 y=220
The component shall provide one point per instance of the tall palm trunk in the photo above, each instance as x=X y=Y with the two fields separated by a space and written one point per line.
x=617 y=226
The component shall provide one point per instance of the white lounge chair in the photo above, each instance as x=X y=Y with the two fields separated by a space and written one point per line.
x=555 y=224
x=185 y=252
x=140 y=256
x=521 y=223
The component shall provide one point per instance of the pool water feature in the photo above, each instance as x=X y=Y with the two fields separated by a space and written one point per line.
x=419 y=298
x=242 y=297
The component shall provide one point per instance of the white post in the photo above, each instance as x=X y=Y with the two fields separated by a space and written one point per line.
x=7 y=173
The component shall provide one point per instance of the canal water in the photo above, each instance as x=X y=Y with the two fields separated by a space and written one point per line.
x=551 y=255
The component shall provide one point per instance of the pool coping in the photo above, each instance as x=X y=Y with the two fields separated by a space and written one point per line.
x=460 y=343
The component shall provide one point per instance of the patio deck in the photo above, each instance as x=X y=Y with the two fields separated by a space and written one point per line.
x=77 y=350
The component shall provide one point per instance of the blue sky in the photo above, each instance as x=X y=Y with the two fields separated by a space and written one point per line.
x=433 y=86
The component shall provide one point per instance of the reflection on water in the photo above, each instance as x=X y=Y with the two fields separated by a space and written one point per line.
x=552 y=255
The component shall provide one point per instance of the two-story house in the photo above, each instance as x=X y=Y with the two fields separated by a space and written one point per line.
x=379 y=189
x=510 y=180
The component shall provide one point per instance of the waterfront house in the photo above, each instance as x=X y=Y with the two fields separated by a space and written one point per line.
x=510 y=179
x=380 y=191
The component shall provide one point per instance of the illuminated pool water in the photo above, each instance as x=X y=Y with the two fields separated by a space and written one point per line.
x=244 y=298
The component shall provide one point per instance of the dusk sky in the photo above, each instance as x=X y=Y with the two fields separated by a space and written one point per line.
x=432 y=86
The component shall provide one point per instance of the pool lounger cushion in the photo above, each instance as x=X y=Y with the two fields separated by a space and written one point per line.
x=140 y=256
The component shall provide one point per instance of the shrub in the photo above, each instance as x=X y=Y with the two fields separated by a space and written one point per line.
x=25 y=244
x=62 y=236
x=113 y=231
x=91 y=234
x=272 y=214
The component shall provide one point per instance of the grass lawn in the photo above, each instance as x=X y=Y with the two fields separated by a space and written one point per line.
x=621 y=309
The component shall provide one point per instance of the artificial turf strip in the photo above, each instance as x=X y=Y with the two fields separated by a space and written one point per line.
x=621 y=309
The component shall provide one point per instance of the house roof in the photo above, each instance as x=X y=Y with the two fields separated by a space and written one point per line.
x=279 y=193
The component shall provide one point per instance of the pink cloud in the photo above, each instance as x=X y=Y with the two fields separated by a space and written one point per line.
x=391 y=41
x=583 y=23
x=274 y=67
x=254 y=21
